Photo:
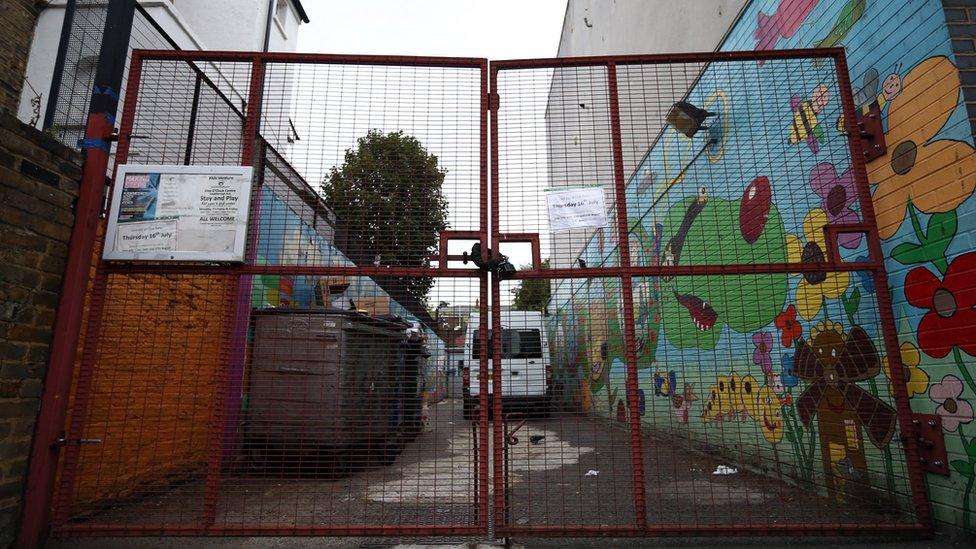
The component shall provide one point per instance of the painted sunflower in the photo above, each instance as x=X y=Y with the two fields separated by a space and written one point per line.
x=814 y=288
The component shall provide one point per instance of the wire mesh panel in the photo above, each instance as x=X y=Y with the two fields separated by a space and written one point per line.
x=318 y=386
x=698 y=232
x=567 y=447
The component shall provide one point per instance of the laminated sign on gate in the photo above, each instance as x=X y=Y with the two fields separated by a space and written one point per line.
x=179 y=213
x=576 y=208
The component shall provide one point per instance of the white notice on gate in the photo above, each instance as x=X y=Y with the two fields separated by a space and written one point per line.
x=147 y=236
x=577 y=208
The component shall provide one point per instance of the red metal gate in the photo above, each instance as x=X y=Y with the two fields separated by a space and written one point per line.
x=702 y=358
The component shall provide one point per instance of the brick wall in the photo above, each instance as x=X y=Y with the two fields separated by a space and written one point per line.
x=17 y=19
x=961 y=21
x=38 y=185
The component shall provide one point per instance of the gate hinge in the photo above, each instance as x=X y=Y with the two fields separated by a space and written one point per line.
x=927 y=432
x=871 y=133
x=493 y=101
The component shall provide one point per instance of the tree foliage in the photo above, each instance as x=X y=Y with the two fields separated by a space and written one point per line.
x=532 y=294
x=387 y=195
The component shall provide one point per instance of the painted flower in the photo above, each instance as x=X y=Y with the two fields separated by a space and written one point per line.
x=866 y=280
x=763 y=342
x=790 y=329
x=814 y=287
x=837 y=193
x=954 y=410
x=916 y=380
x=950 y=302
x=915 y=160
x=776 y=382
x=682 y=402
x=789 y=376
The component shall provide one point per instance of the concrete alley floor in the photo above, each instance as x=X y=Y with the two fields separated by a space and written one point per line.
x=564 y=471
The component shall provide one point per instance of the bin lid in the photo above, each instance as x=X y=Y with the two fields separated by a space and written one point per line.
x=386 y=321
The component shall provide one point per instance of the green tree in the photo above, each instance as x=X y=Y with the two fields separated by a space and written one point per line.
x=532 y=294
x=387 y=196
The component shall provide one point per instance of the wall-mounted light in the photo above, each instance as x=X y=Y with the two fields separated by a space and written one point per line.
x=687 y=118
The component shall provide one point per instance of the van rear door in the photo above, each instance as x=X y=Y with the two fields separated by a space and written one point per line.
x=523 y=368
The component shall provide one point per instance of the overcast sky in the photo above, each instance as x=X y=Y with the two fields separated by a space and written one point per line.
x=492 y=29
x=495 y=29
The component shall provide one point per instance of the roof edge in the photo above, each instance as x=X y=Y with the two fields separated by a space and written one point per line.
x=300 y=9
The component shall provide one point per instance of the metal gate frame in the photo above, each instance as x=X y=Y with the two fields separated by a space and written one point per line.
x=626 y=272
x=491 y=514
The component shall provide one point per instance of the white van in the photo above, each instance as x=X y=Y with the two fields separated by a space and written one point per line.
x=526 y=374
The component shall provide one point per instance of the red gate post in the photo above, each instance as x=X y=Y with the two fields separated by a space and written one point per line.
x=43 y=461
x=498 y=483
x=481 y=458
x=916 y=479
x=626 y=288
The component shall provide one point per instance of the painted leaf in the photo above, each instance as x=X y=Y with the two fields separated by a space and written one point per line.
x=852 y=303
x=790 y=436
x=941 y=230
x=934 y=242
x=963 y=467
x=971 y=449
x=907 y=253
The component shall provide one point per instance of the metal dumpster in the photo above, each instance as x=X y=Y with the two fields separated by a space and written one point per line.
x=329 y=391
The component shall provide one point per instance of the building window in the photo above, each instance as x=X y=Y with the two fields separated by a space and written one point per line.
x=281 y=13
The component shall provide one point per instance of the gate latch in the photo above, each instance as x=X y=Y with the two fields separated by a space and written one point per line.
x=497 y=263
x=927 y=431
x=61 y=441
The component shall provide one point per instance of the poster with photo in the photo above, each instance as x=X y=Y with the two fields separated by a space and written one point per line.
x=179 y=213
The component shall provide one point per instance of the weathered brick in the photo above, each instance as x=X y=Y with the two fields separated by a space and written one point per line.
x=962 y=30
x=16 y=467
x=24 y=427
x=6 y=159
x=44 y=317
x=17 y=408
x=46 y=299
x=38 y=352
x=43 y=175
x=32 y=334
x=13 y=311
x=956 y=14
x=968 y=77
x=30 y=388
x=10 y=488
x=12 y=350
x=10 y=389
x=16 y=238
x=966 y=62
x=14 y=370
x=22 y=258
x=15 y=274
x=52 y=264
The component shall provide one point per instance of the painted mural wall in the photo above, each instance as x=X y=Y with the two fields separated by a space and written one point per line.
x=787 y=372
x=901 y=58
